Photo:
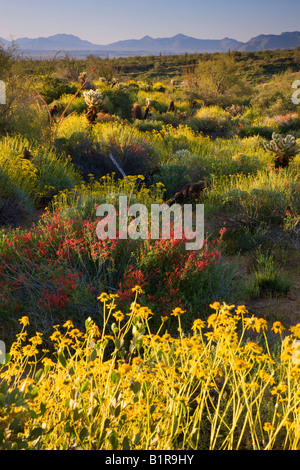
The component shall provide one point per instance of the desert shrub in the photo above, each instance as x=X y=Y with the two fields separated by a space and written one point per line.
x=119 y=102
x=285 y=123
x=275 y=96
x=87 y=155
x=82 y=199
x=254 y=204
x=203 y=158
x=52 y=88
x=191 y=284
x=267 y=279
x=74 y=123
x=30 y=181
x=133 y=151
x=173 y=178
x=52 y=270
x=217 y=81
x=213 y=120
x=149 y=125
x=18 y=177
x=169 y=118
x=256 y=130
x=78 y=104
x=159 y=87
x=158 y=106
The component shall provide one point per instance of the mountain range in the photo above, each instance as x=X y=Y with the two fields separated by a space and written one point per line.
x=147 y=45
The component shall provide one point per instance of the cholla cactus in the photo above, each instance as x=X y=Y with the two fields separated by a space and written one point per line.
x=86 y=84
x=93 y=99
x=284 y=149
x=82 y=77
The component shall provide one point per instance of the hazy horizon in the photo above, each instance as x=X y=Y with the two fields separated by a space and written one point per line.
x=103 y=23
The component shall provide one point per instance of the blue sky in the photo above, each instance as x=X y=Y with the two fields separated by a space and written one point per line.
x=106 y=21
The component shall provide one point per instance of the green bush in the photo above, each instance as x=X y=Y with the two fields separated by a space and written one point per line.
x=275 y=96
x=118 y=102
x=267 y=279
x=213 y=120
x=29 y=181
x=53 y=88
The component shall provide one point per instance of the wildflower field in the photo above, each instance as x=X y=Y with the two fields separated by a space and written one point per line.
x=141 y=344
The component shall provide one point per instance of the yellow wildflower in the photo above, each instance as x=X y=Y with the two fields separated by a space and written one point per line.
x=239 y=364
x=144 y=312
x=124 y=368
x=48 y=362
x=215 y=305
x=137 y=361
x=137 y=289
x=56 y=336
x=24 y=321
x=29 y=350
x=119 y=316
x=103 y=297
x=164 y=318
x=281 y=388
x=268 y=427
x=36 y=339
x=177 y=312
x=241 y=309
x=212 y=320
x=261 y=324
x=253 y=347
x=75 y=333
x=296 y=330
x=266 y=377
x=198 y=324
x=277 y=327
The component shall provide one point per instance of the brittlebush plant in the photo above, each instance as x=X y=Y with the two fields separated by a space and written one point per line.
x=122 y=387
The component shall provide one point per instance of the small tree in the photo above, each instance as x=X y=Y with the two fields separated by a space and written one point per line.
x=217 y=81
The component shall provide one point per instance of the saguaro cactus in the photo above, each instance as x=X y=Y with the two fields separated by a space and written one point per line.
x=93 y=98
x=284 y=148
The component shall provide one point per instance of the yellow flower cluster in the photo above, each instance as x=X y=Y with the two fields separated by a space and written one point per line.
x=131 y=388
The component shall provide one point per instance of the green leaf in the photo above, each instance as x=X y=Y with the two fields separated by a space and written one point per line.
x=135 y=387
x=83 y=434
x=137 y=438
x=114 y=377
x=85 y=386
x=42 y=407
x=113 y=440
x=14 y=397
x=125 y=443
x=7 y=358
x=62 y=359
x=92 y=356
x=39 y=375
x=36 y=432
